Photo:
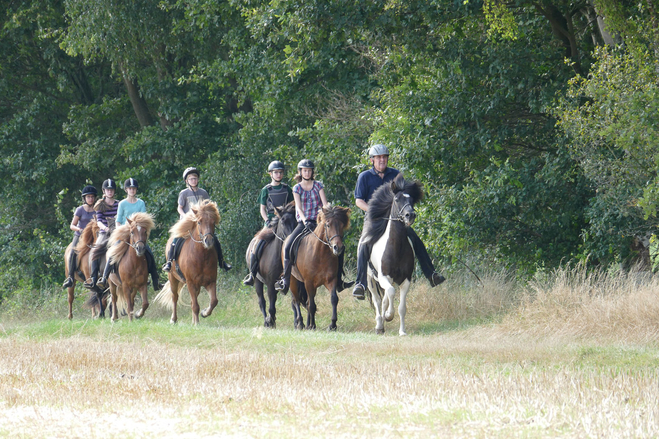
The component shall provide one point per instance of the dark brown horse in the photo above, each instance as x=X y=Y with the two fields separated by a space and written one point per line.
x=317 y=263
x=132 y=271
x=270 y=265
x=197 y=260
x=390 y=212
x=86 y=240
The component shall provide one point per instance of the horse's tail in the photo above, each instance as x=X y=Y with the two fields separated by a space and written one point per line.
x=95 y=301
x=367 y=293
x=166 y=297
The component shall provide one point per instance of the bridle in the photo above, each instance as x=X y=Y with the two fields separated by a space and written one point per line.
x=201 y=236
x=327 y=243
x=399 y=215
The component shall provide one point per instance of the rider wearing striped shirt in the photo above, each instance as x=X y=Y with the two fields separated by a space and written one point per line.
x=106 y=212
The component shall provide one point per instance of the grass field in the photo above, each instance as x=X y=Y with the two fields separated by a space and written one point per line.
x=569 y=354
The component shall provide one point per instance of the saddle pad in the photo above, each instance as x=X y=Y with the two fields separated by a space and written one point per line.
x=296 y=244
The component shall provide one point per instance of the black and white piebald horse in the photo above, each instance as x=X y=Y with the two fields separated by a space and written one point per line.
x=390 y=213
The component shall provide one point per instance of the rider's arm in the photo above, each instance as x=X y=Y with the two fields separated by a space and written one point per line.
x=264 y=212
x=74 y=224
x=298 y=206
x=363 y=205
x=180 y=210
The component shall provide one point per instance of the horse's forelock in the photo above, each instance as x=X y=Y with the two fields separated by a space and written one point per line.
x=341 y=214
x=144 y=220
x=415 y=190
x=206 y=210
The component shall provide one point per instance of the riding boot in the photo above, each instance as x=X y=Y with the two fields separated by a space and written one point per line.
x=170 y=255
x=220 y=259
x=153 y=271
x=102 y=283
x=93 y=275
x=68 y=283
x=340 y=283
x=285 y=281
x=253 y=268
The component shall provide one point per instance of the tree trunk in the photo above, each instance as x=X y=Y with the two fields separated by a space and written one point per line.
x=140 y=106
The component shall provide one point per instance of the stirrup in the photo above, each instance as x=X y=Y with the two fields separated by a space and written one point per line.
x=68 y=283
x=225 y=266
x=249 y=280
x=89 y=283
x=281 y=286
x=167 y=266
x=102 y=283
x=358 y=291
x=343 y=285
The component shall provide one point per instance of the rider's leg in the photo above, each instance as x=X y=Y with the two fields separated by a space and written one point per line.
x=254 y=263
x=340 y=284
x=151 y=266
x=73 y=263
x=170 y=255
x=220 y=258
x=424 y=259
x=103 y=281
x=93 y=275
x=363 y=255
x=283 y=283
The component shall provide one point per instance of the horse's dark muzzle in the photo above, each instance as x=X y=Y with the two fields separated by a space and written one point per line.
x=408 y=218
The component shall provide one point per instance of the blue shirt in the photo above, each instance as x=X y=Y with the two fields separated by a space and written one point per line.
x=369 y=181
x=127 y=209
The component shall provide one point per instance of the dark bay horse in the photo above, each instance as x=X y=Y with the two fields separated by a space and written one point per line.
x=132 y=271
x=270 y=265
x=317 y=263
x=197 y=260
x=390 y=212
x=85 y=242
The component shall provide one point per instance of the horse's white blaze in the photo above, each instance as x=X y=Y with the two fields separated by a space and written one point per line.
x=139 y=228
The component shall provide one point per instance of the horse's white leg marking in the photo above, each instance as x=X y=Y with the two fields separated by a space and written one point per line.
x=377 y=253
x=402 y=307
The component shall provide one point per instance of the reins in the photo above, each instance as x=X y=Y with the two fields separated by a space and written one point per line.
x=201 y=237
x=327 y=243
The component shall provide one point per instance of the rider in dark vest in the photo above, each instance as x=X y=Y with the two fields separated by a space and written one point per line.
x=274 y=194
x=367 y=183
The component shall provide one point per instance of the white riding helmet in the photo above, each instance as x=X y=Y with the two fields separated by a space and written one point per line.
x=378 y=149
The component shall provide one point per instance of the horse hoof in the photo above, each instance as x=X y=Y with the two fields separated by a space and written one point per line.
x=172 y=322
x=379 y=331
x=388 y=317
x=332 y=328
x=205 y=313
x=402 y=334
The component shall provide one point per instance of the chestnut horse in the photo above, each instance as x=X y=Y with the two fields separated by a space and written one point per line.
x=131 y=273
x=197 y=260
x=270 y=265
x=317 y=263
x=390 y=212
x=85 y=242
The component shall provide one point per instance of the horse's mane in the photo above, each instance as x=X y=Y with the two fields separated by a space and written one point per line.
x=379 y=206
x=87 y=238
x=341 y=214
x=267 y=234
x=122 y=234
x=206 y=210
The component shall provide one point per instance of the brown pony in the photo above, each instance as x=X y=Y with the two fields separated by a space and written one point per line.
x=197 y=260
x=270 y=262
x=317 y=263
x=86 y=240
x=131 y=273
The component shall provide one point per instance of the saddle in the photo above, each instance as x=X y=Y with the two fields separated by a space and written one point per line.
x=178 y=245
x=296 y=244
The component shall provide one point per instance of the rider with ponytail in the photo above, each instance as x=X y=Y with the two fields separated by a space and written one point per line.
x=126 y=209
x=81 y=217
x=310 y=198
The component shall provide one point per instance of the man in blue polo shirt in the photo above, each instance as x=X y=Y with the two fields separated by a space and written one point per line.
x=367 y=183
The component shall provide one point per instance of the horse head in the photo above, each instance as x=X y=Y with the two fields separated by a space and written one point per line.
x=138 y=237
x=405 y=195
x=206 y=217
x=332 y=222
x=286 y=221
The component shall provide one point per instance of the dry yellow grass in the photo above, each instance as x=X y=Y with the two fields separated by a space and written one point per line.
x=571 y=354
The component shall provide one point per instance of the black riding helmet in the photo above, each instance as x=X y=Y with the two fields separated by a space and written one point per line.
x=109 y=184
x=190 y=170
x=276 y=165
x=89 y=190
x=131 y=182
x=305 y=163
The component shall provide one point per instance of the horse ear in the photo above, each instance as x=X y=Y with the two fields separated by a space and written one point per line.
x=194 y=210
x=278 y=211
x=130 y=221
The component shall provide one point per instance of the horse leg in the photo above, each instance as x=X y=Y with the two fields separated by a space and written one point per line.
x=258 y=286
x=194 y=302
x=175 y=286
x=145 y=301
x=130 y=302
x=402 y=307
x=271 y=321
x=212 y=292
x=376 y=296
x=71 y=293
x=113 y=296
x=311 y=315
x=334 y=299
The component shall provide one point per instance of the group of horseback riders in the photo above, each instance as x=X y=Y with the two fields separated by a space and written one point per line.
x=308 y=194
